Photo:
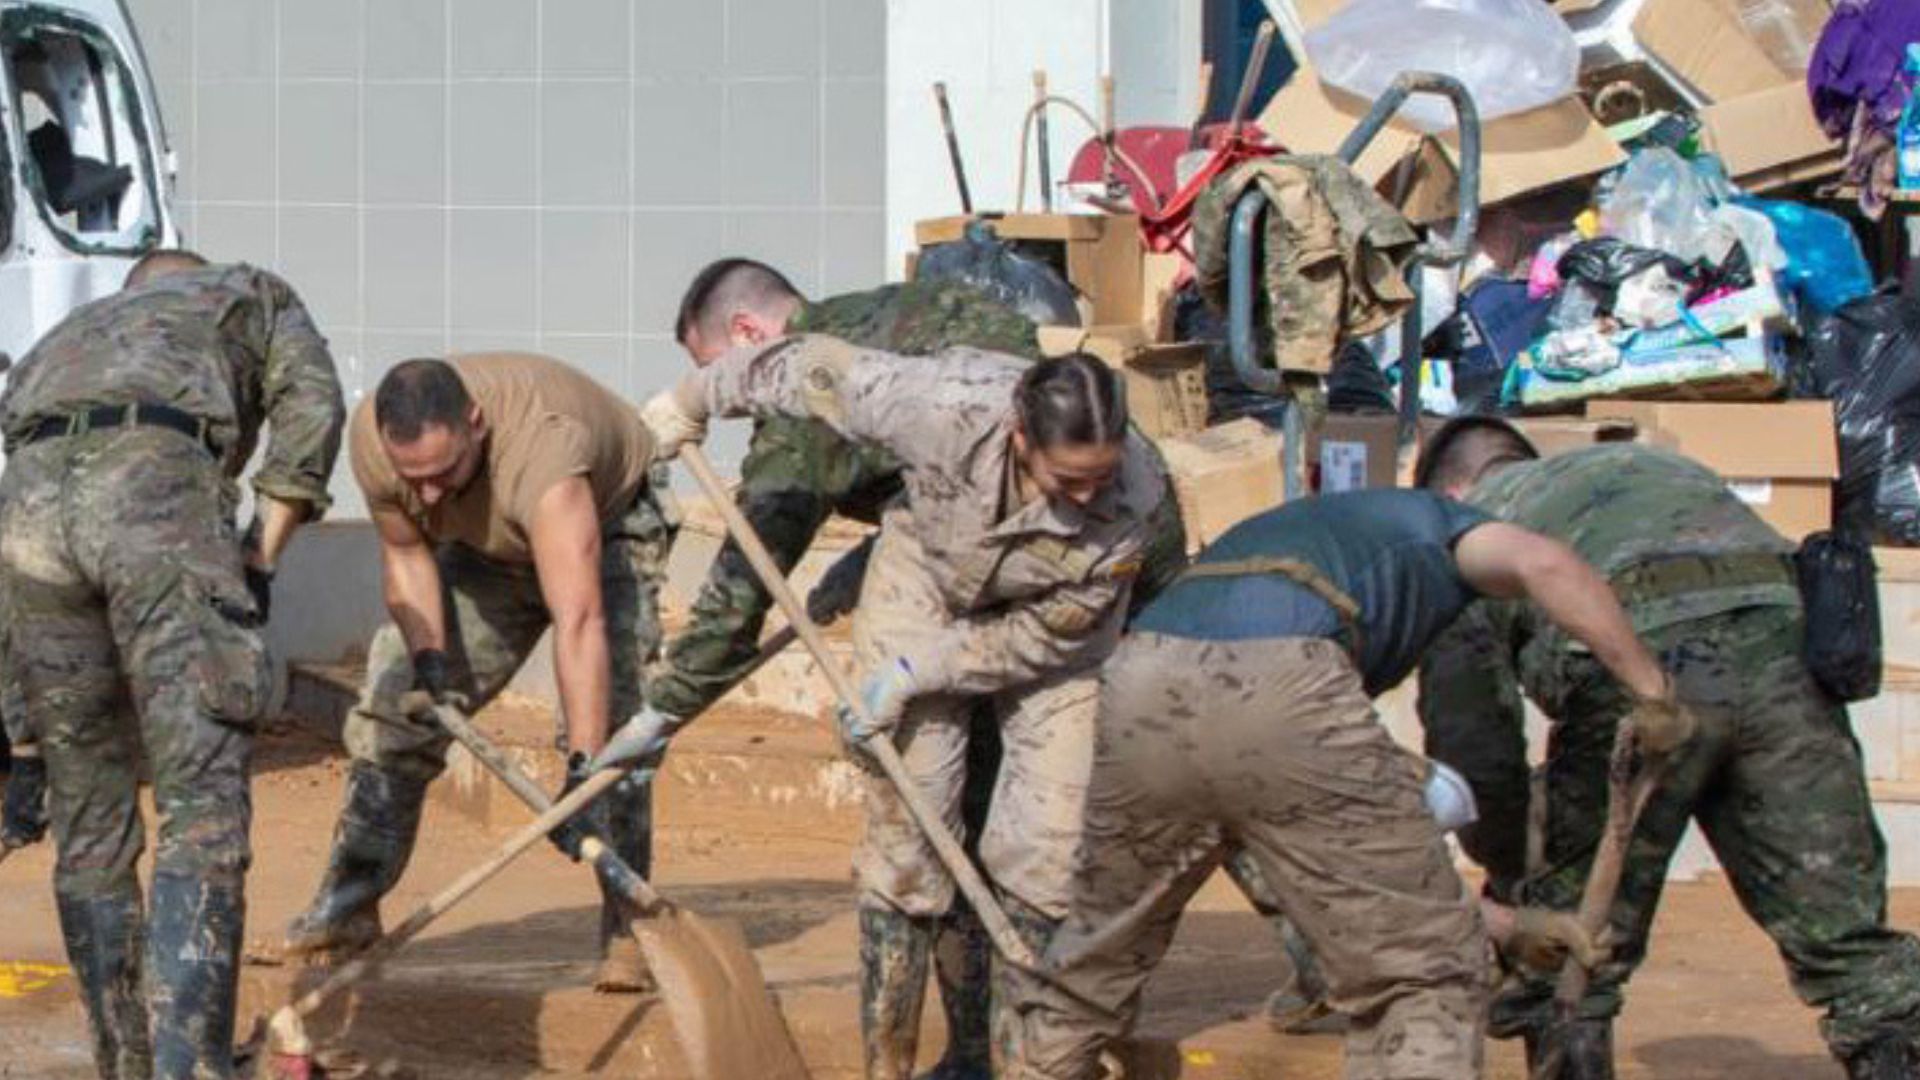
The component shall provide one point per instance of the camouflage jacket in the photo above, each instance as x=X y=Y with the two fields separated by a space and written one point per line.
x=1031 y=589
x=1333 y=255
x=1625 y=508
x=230 y=344
x=798 y=472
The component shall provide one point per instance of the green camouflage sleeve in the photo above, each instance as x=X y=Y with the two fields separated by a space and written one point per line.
x=304 y=410
x=782 y=499
x=1474 y=719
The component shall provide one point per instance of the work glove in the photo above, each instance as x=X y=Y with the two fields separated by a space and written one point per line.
x=640 y=744
x=23 y=820
x=838 y=590
x=1542 y=940
x=675 y=416
x=884 y=698
x=588 y=821
x=1661 y=725
x=432 y=685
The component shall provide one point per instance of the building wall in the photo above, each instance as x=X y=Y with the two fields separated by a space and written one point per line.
x=439 y=175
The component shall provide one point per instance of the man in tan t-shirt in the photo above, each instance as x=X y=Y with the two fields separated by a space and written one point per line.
x=510 y=494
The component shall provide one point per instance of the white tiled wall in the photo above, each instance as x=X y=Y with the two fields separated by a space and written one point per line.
x=533 y=174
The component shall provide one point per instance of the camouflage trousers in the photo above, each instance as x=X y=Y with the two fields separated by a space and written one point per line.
x=1774 y=779
x=130 y=634
x=1271 y=746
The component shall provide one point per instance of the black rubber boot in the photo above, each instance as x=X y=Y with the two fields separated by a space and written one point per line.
x=193 y=956
x=1890 y=1057
x=627 y=814
x=371 y=846
x=105 y=938
x=963 y=966
x=895 y=952
x=1588 y=1054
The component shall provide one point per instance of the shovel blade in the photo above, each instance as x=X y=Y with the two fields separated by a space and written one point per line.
x=726 y=1019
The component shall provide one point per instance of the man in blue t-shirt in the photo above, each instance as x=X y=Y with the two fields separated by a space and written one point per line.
x=1237 y=712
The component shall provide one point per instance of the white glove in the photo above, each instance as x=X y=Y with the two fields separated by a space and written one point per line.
x=675 y=418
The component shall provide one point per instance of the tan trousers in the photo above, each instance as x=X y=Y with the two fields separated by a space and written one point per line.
x=1271 y=745
x=1046 y=728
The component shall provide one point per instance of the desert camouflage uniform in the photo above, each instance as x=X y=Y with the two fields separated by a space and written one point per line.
x=132 y=632
x=1021 y=603
x=1774 y=776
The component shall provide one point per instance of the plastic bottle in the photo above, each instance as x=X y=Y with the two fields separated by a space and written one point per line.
x=1909 y=134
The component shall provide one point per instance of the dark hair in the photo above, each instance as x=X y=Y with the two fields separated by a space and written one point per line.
x=1076 y=398
x=1462 y=449
x=163 y=261
x=418 y=394
x=727 y=286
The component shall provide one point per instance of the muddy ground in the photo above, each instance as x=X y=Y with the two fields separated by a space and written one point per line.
x=754 y=825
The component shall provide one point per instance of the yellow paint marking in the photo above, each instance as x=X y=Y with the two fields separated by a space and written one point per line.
x=1201 y=1057
x=18 y=979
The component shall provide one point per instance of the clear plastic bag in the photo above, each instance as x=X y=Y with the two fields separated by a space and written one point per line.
x=1513 y=55
x=1659 y=202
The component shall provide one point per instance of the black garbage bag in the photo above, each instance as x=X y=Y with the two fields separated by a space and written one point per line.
x=1591 y=272
x=1228 y=398
x=1865 y=357
x=1841 y=590
x=992 y=265
x=1356 y=384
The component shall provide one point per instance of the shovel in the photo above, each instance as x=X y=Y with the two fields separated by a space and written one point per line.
x=1009 y=943
x=726 y=1019
x=1627 y=795
x=289 y=1047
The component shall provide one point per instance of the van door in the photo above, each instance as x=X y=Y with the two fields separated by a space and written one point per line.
x=86 y=160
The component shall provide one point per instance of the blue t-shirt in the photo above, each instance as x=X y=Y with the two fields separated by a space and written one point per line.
x=1391 y=551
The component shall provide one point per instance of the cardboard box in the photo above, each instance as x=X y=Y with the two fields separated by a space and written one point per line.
x=1354 y=451
x=1759 y=119
x=1100 y=254
x=1166 y=384
x=1223 y=476
x=1751 y=369
x=1780 y=458
x=1521 y=153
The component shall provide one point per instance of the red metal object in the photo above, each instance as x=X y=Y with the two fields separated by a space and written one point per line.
x=1165 y=209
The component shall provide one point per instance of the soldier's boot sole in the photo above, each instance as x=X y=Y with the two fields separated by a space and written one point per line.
x=106 y=940
x=193 y=970
x=896 y=951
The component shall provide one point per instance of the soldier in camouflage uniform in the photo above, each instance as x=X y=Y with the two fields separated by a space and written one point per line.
x=511 y=496
x=134 y=618
x=1774 y=777
x=796 y=474
x=1002 y=572
x=1237 y=713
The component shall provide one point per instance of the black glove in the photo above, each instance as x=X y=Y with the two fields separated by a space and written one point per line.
x=570 y=834
x=433 y=675
x=24 y=819
x=260 y=584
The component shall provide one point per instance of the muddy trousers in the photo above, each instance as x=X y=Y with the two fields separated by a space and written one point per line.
x=495 y=617
x=130 y=632
x=1775 y=780
x=1272 y=746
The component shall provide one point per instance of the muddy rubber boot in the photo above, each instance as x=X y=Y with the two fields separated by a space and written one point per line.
x=1890 y=1057
x=193 y=956
x=1589 y=1049
x=963 y=966
x=105 y=937
x=627 y=813
x=371 y=846
x=895 y=952
x=1300 y=1006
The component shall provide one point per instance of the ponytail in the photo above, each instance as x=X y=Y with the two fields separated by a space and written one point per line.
x=1073 y=399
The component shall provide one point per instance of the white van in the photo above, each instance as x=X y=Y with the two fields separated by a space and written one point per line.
x=88 y=173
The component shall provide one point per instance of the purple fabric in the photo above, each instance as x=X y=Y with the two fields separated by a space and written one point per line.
x=1861 y=59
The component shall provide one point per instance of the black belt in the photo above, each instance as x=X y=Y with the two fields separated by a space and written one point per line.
x=106 y=417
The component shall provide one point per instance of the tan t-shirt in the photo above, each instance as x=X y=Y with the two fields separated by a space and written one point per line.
x=546 y=422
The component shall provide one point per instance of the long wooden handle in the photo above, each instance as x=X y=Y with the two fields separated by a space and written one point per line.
x=376 y=954
x=1250 y=79
x=1005 y=938
x=1040 y=134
